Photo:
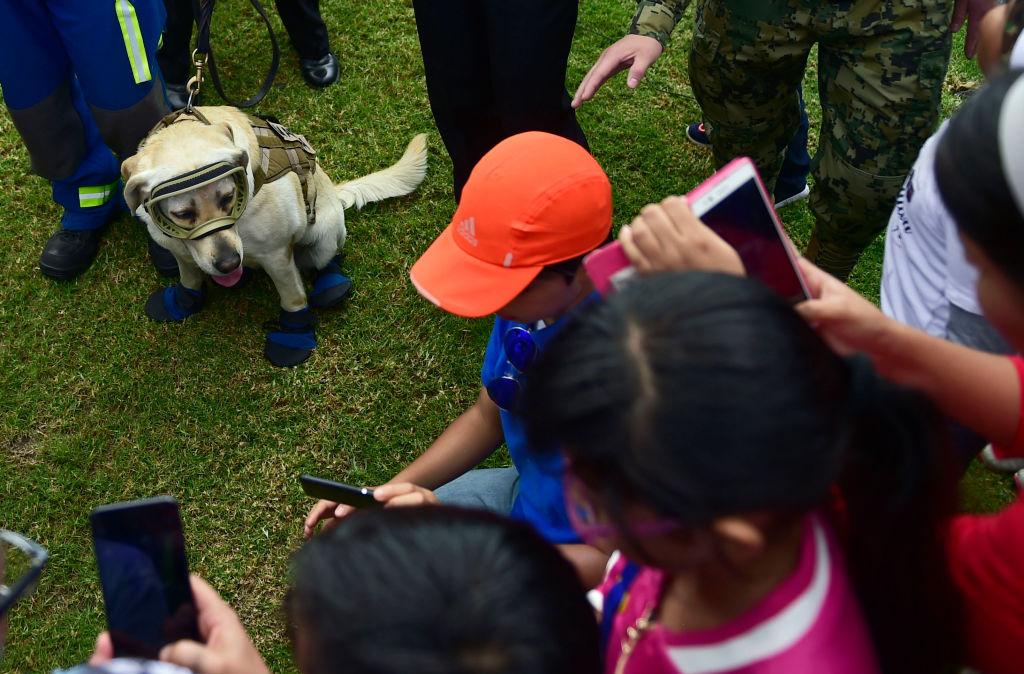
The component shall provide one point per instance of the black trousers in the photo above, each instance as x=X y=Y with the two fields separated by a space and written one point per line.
x=301 y=18
x=496 y=68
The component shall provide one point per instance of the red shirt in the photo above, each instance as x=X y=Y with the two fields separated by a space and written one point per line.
x=986 y=558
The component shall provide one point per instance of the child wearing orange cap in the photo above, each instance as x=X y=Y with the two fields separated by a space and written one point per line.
x=532 y=208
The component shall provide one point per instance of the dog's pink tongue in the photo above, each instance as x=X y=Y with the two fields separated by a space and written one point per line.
x=229 y=280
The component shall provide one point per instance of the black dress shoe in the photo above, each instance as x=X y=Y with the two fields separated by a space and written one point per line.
x=162 y=259
x=69 y=252
x=320 y=72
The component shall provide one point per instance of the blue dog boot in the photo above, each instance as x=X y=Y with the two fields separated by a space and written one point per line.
x=174 y=303
x=330 y=286
x=292 y=338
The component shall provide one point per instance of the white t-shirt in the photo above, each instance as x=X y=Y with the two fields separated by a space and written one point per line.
x=924 y=266
x=925 y=269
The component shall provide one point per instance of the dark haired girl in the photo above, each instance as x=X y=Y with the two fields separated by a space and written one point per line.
x=782 y=503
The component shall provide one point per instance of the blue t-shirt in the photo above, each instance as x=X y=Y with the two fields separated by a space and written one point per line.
x=540 y=500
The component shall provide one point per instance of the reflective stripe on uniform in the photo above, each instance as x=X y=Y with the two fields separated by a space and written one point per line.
x=133 y=43
x=95 y=195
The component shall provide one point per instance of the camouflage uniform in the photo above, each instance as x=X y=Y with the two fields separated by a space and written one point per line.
x=881 y=65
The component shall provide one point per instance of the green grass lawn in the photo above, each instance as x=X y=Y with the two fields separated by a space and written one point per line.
x=98 y=404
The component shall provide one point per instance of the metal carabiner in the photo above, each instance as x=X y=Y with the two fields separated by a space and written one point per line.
x=196 y=82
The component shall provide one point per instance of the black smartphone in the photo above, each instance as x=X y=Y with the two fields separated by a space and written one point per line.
x=357 y=497
x=140 y=552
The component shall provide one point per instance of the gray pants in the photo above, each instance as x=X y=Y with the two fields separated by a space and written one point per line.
x=974 y=331
x=969 y=329
x=492 y=489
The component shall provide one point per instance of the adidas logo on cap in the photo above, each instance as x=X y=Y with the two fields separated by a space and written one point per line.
x=467 y=230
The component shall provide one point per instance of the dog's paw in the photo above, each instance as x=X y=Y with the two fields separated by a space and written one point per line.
x=174 y=303
x=291 y=339
x=330 y=286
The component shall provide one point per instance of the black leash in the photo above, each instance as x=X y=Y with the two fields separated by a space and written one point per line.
x=203 y=12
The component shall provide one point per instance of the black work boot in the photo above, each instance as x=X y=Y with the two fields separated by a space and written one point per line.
x=69 y=252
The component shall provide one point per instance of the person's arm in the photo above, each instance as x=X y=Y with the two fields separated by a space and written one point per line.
x=657 y=18
x=648 y=34
x=980 y=390
x=465 y=443
x=590 y=562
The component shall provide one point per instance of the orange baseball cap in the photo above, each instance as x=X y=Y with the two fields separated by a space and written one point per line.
x=535 y=199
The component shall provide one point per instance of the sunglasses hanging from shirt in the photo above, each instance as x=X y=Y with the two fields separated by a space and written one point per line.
x=520 y=352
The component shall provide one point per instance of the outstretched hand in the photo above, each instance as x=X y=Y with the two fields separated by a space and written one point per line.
x=669 y=237
x=635 y=52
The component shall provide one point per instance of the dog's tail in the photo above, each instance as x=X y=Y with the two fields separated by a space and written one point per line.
x=397 y=180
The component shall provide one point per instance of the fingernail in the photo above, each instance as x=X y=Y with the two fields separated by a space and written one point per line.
x=626 y=230
x=633 y=82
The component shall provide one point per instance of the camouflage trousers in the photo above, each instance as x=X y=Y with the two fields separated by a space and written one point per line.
x=881 y=65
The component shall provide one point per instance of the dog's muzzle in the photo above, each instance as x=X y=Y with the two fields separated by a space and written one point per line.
x=186 y=182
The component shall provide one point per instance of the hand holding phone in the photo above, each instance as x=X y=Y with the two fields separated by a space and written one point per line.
x=140 y=552
x=393 y=494
x=227 y=648
x=669 y=237
x=730 y=210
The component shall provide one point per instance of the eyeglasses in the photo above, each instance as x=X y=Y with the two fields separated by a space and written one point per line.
x=21 y=562
x=585 y=521
x=520 y=352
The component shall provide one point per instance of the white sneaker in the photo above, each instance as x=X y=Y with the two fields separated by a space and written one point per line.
x=799 y=196
x=1008 y=465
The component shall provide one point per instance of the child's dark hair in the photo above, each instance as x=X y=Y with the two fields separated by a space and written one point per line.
x=704 y=395
x=436 y=590
x=971 y=180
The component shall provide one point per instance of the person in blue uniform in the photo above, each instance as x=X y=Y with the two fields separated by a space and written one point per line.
x=82 y=85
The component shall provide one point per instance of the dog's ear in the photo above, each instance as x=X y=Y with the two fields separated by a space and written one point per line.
x=225 y=128
x=136 y=188
x=128 y=167
x=241 y=159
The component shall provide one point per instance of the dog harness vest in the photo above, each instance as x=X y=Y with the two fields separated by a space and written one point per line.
x=281 y=152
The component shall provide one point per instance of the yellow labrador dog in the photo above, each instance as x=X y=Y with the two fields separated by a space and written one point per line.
x=225 y=191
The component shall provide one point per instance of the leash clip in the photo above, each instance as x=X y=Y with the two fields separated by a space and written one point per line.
x=196 y=83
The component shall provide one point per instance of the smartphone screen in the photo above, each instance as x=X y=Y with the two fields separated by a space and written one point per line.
x=744 y=220
x=140 y=552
